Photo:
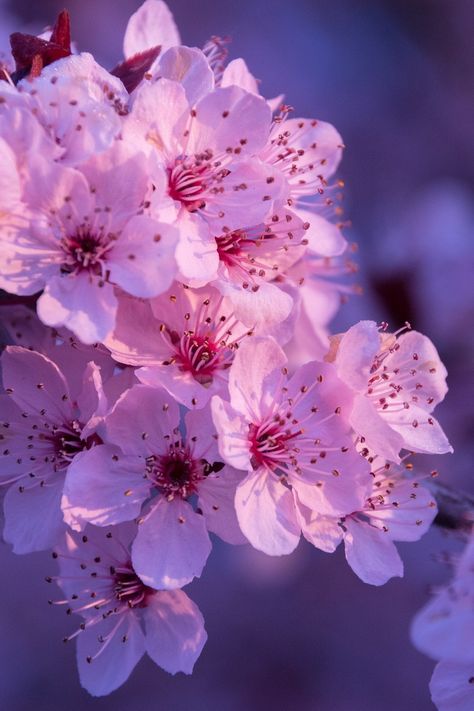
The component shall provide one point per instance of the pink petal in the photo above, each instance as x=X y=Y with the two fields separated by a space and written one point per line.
x=136 y=339
x=145 y=248
x=379 y=436
x=201 y=434
x=356 y=353
x=112 y=667
x=10 y=188
x=322 y=532
x=196 y=251
x=371 y=554
x=142 y=420
x=266 y=513
x=181 y=385
x=118 y=179
x=190 y=68
x=230 y=118
x=216 y=500
x=53 y=188
x=163 y=109
x=172 y=545
x=430 y=371
x=37 y=385
x=151 y=25
x=420 y=432
x=237 y=73
x=251 y=189
x=91 y=400
x=412 y=515
x=33 y=518
x=253 y=389
x=103 y=486
x=78 y=302
x=324 y=238
x=175 y=633
x=232 y=430
x=263 y=310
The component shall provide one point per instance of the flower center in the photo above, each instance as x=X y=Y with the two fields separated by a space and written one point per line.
x=176 y=473
x=128 y=588
x=200 y=356
x=84 y=252
x=229 y=247
x=68 y=442
x=269 y=444
x=187 y=184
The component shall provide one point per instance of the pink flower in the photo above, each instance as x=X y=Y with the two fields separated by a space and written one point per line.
x=83 y=232
x=397 y=384
x=147 y=460
x=292 y=438
x=306 y=151
x=397 y=509
x=46 y=422
x=211 y=175
x=253 y=260
x=185 y=340
x=77 y=104
x=123 y=617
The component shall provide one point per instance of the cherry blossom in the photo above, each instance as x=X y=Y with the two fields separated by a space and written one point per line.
x=147 y=456
x=291 y=437
x=207 y=165
x=398 y=509
x=185 y=340
x=123 y=617
x=397 y=381
x=87 y=231
x=46 y=422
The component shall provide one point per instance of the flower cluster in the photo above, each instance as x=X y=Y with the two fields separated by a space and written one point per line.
x=174 y=242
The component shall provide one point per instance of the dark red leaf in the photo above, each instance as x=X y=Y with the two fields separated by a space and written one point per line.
x=61 y=33
x=133 y=69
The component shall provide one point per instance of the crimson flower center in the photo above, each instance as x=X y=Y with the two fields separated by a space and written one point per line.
x=187 y=183
x=197 y=355
x=270 y=444
x=176 y=474
x=128 y=588
x=84 y=251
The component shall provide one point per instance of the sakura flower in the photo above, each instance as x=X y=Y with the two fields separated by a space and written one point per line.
x=211 y=175
x=185 y=340
x=85 y=231
x=306 y=151
x=250 y=259
x=291 y=437
x=45 y=422
x=397 y=509
x=77 y=103
x=123 y=617
x=148 y=461
x=397 y=382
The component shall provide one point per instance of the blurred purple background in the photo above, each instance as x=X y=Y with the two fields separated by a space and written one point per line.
x=303 y=633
